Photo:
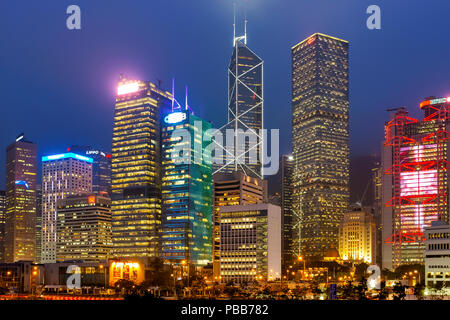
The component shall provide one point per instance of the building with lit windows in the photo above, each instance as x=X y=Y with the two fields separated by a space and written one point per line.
x=290 y=223
x=186 y=232
x=357 y=236
x=63 y=175
x=245 y=110
x=377 y=179
x=233 y=189
x=415 y=163
x=437 y=257
x=101 y=168
x=20 y=217
x=320 y=140
x=136 y=169
x=21 y=276
x=38 y=249
x=83 y=228
x=250 y=243
x=2 y=224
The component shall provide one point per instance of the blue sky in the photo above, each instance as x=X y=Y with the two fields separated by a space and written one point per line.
x=58 y=85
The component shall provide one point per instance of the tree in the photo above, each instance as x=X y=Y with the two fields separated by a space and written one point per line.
x=348 y=291
x=361 y=289
x=382 y=295
x=159 y=274
x=399 y=291
x=419 y=290
x=360 y=270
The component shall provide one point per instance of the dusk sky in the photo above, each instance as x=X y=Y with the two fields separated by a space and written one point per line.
x=58 y=85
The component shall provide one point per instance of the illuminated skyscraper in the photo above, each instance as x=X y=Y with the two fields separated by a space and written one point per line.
x=84 y=228
x=415 y=162
x=2 y=224
x=63 y=175
x=20 y=218
x=357 y=236
x=186 y=189
x=320 y=139
x=233 y=189
x=290 y=223
x=136 y=169
x=38 y=223
x=250 y=243
x=101 y=168
x=245 y=110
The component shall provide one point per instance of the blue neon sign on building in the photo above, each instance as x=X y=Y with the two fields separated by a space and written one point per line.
x=67 y=155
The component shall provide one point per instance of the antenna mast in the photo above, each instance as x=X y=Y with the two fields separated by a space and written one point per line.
x=186 y=103
x=245 y=22
x=234 y=23
x=173 y=92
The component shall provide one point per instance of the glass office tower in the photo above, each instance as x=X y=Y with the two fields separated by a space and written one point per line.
x=63 y=175
x=135 y=169
x=245 y=111
x=20 y=217
x=186 y=189
x=320 y=139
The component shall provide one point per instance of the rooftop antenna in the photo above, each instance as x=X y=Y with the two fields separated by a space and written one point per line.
x=245 y=22
x=186 y=102
x=234 y=23
x=173 y=92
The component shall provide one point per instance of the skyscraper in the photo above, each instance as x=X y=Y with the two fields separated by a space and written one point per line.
x=245 y=110
x=136 y=169
x=415 y=180
x=320 y=139
x=233 y=189
x=186 y=189
x=38 y=223
x=20 y=218
x=101 y=168
x=250 y=243
x=2 y=224
x=289 y=221
x=84 y=228
x=63 y=175
x=357 y=236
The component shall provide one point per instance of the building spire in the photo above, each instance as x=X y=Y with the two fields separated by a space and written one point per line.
x=186 y=102
x=173 y=92
x=234 y=23
x=245 y=22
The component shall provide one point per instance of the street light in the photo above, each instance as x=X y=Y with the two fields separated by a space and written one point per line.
x=300 y=258
x=104 y=273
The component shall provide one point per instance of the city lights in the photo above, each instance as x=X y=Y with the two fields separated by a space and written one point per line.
x=127 y=88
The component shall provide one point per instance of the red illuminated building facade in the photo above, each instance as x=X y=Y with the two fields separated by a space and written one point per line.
x=415 y=162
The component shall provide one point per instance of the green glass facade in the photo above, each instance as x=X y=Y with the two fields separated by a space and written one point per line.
x=186 y=192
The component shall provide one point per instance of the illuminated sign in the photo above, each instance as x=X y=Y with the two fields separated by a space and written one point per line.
x=89 y=152
x=67 y=155
x=22 y=183
x=19 y=138
x=434 y=101
x=92 y=199
x=129 y=270
x=175 y=117
x=311 y=40
x=128 y=88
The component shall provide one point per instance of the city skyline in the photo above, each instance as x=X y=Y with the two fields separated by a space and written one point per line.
x=91 y=99
x=335 y=184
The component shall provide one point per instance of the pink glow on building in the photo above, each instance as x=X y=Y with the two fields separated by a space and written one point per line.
x=128 y=88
